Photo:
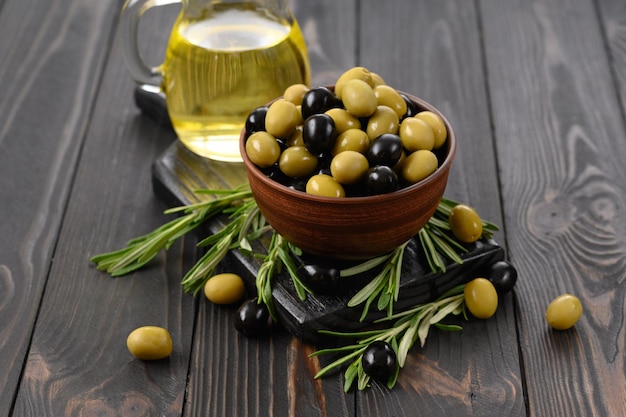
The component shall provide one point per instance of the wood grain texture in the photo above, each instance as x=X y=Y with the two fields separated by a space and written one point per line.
x=559 y=136
x=440 y=49
x=613 y=22
x=52 y=53
x=536 y=92
x=78 y=363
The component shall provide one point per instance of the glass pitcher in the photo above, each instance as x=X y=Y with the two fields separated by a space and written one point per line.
x=223 y=59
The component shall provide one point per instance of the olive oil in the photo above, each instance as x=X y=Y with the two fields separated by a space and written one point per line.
x=221 y=65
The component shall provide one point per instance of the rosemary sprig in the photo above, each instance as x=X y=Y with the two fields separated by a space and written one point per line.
x=409 y=326
x=385 y=286
x=436 y=242
x=141 y=250
x=279 y=253
x=246 y=224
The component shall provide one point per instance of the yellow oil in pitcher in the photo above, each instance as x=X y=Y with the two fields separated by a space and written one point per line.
x=223 y=64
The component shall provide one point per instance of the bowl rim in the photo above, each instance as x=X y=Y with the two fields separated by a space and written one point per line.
x=252 y=169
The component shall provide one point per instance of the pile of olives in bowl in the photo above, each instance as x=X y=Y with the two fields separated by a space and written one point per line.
x=360 y=138
x=388 y=152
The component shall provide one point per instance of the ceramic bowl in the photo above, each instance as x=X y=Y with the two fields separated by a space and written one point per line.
x=351 y=227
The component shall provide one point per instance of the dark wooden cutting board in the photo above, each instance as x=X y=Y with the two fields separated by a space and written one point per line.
x=178 y=172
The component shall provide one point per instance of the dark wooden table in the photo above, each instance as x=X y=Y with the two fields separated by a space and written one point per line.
x=536 y=91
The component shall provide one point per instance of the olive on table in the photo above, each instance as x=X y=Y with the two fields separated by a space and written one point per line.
x=465 y=223
x=481 y=298
x=253 y=318
x=149 y=343
x=502 y=275
x=349 y=167
x=379 y=360
x=224 y=288
x=262 y=149
x=564 y=311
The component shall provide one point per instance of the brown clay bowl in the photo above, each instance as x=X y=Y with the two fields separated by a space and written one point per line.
x=351 y=227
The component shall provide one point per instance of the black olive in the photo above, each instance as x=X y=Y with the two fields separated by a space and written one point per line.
x=275 y=174
x=411 y=107
x=298 y=184
x=253 y=319
x=381 y=179
x=379 y=361
x=318 y=278
x=386 y=150
x=318 y=133
x=318 y=100
x=323 y=163
x=256 y=120
x=503 y=276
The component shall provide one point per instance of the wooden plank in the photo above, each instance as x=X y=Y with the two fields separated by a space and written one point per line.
x=560 y=141
x=613 y=21
x=78 y=363
x=434 y=52
x=231 y=375
x=51 y=64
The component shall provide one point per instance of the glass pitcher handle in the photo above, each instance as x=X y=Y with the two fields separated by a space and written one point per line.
x=129 y=22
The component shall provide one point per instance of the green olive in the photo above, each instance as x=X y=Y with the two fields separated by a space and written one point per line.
x=384 y=120
x=282 y=118
x=436 y=124
x=416 y=134
x=389 y=96
x=376 y=80
x=351 y=140
x=564 y=311
x=294 y=93
x=355 y=73
x=465 y=223
x=224 y=288
x=149 y=343
x=349 y=167
x=262 y=149
x=359 y=98
x=296 y=162
x=481 y=298
x=419 y=165
x=296 y=138
x=325 y=186
x=343 y=120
